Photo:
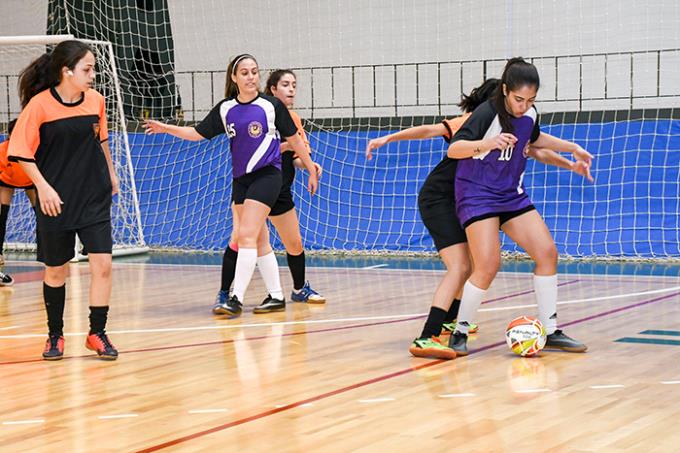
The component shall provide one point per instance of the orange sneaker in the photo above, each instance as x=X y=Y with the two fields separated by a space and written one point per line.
x=54 y=347
x=100 y=343
x=431 y=348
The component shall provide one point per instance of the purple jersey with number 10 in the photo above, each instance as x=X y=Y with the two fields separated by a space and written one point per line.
x=491 y=182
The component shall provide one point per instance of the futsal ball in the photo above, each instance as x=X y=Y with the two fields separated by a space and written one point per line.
x=525 y=336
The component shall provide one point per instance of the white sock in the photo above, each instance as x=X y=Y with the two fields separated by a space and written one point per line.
x=545 y=288
x=245 y=266
x=469 y=304
x=269 y=269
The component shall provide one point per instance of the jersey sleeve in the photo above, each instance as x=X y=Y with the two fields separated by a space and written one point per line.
x=536 y=131
x=300 y=130
x=25 y=137
x=103 y=122
x=283 y=122
x=212 y=125
x=453 y=125
x=476 y=126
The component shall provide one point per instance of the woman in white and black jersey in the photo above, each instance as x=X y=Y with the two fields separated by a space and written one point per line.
x=282 y=84
x=254 y=124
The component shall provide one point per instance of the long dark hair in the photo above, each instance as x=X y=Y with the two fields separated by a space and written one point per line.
x=10 y=126
x=274 y=77
x=230 y=87
x=517 y=73
x=45 y=71
x=469 y=102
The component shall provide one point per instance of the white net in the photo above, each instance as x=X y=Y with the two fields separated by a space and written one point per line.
x=127 y=232
x=608 y=70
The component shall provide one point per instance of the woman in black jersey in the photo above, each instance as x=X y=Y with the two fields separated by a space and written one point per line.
x=61 y=142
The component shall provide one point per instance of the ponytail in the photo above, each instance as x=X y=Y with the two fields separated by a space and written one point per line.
x=469 y=102
x=45 y=71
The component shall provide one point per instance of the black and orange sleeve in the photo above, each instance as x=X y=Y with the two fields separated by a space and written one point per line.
x=103 y=121
x=300 y=130
x=25 y=138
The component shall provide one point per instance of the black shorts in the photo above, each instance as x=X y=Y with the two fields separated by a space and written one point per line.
x=502 y=216
x=56 y=248
x=263 y=185
x=438 y=213
x=284 y=203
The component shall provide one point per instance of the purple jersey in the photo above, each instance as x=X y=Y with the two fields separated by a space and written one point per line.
x=491 y=183
x=254 y=130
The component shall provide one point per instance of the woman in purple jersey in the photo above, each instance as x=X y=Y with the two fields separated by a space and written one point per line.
x=490 y=195
x=254 y=124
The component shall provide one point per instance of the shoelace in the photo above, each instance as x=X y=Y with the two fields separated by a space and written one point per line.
x=104 y=339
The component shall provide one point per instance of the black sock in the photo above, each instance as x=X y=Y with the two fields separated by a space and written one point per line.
x=433 y=325
x=54 y=306
x=4 y=211
x=98 y=316
x=228 y=268
x=296 y=264
x=453 y=311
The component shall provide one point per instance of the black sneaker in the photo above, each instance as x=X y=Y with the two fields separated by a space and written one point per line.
x=270 y=305
x=458 y=342
x=54 y=347
x=6 y=279
x=231 y=307
x=559 y=340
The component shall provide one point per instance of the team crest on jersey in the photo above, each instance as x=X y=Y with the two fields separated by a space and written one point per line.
x=95 y=128
x=255 y=129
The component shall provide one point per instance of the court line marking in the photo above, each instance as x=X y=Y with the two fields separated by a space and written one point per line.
x=377 y=266
x=9 y=328
x=457 y=395
x=376 y=400
x=24 y=422
x=116 y=416
x=528 y=273
x=367 y=382
x=608 y=386
x=335 y=320
x=208 y=411
x=670 y=382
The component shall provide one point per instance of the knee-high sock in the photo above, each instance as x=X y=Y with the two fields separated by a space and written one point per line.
x=469 y=304
x=296 y=264
x=545 y=288
x=4 y=211
x=54 y=306
x=228 y=266
x=269 y=269
x=245 y=266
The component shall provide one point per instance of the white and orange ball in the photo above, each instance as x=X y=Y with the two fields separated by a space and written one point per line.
x=525 y=336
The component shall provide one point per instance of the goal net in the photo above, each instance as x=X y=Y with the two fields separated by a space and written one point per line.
x=609 y=76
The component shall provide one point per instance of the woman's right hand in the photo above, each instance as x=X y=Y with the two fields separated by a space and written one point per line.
x=154 y=127
x=500 y=141
x=375 y=144
x=50 y=202
x=312 y=183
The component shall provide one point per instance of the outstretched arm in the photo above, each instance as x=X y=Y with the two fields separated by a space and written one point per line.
x=183 y=132
x=551 y=142
x=412 y=133
x=550 y=157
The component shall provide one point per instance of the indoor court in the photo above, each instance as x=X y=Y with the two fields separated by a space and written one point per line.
x=355 y=172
